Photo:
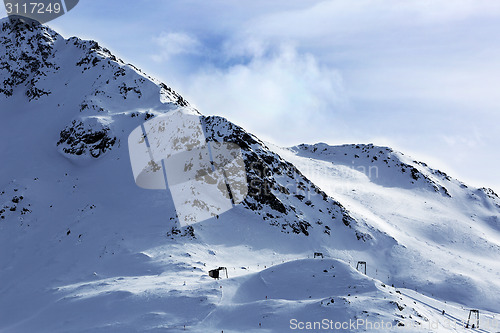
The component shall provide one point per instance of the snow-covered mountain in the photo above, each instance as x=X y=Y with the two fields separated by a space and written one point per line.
x=447 y=234
x=83 y=249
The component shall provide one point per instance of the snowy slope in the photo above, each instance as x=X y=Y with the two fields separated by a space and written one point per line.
x=448 y=234
x=83 y=249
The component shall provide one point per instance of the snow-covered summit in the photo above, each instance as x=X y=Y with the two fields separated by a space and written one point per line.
x=389 y=168
x=101 y=99
x=31 y=52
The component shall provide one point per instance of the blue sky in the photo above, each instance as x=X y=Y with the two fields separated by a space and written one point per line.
x=420 y=76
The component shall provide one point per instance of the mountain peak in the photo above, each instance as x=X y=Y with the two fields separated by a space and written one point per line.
x=382 y=165
x=31 y=53
x=96 y=100
x=18 y=23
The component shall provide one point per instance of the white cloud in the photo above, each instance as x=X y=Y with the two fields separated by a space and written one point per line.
x=175 y=43
x=344 y=18
x=278 y=94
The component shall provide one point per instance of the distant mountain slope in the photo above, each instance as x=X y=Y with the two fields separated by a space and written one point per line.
x=448 y=234
x=379 y=164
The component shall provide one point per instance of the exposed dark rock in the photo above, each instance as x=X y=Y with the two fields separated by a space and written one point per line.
x=78 y=140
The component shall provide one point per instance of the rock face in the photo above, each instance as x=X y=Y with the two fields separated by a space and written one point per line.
x=279 y=192
x=27 y=56
x=79 y=140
